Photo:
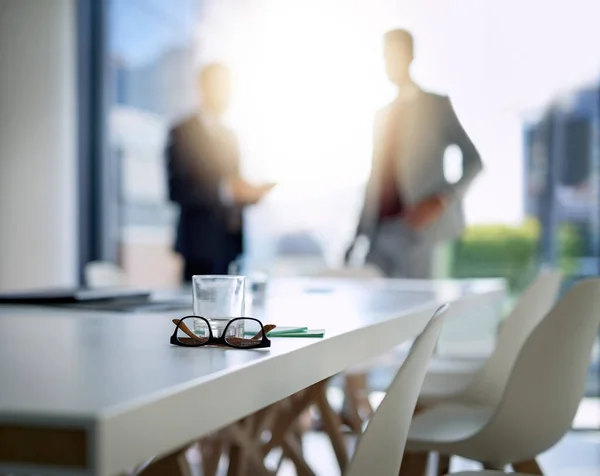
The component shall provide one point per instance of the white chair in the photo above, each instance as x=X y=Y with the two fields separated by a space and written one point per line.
x=539 y=399
x=380 y=446
x=104 y=274
x=483 y=380
x=475 y=379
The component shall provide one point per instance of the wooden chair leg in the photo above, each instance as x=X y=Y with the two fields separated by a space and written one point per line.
x=298 y=433
x=245 y=450
x=443 y=466
x=364 y=405
x=211 y=451
x=528 y=467
x=290 y=411
x=293 y=451
x=332 y=426
x=357 y=406
x=414 y=464
x=237 y=463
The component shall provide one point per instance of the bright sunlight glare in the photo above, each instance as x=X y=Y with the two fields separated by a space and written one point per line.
x=306 y=98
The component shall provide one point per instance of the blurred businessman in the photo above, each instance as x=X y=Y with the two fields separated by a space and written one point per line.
x=409 y=207
x=204 y=179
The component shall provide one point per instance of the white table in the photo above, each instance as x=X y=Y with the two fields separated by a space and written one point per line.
x=109 y=391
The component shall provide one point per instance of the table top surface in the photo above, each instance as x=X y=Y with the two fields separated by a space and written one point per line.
x=83 y=364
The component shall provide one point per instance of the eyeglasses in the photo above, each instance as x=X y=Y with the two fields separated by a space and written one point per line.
x=235 y=334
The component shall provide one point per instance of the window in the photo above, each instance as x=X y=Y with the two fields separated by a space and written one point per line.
x=151 y=64
x=568 y=203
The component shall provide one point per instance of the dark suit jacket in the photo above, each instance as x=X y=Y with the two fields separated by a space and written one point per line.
x=199 y=158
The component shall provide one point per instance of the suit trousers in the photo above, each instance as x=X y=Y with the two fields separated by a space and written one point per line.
x=401 y=252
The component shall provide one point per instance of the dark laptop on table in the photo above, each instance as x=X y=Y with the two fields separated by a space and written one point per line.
x=104 y=299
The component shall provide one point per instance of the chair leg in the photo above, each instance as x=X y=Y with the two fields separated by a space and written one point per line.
x=293 y=451
x=357 y=405
x=298 y=433
x=414 y=464
x=244 y=450
x=331 y=425
x=211 y=451
x=443 y=466
x=290 y=411
x=528 y=467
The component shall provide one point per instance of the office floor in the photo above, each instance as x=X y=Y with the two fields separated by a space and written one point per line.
x=578 y=454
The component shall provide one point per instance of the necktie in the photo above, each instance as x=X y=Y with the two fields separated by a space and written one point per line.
x=390 y=202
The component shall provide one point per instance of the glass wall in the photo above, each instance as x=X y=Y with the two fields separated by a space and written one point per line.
x=308 y=79
x=293 y=91
x=151 y=47
x=563 y=194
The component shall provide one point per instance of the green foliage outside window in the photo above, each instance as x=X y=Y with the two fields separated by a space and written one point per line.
x=510 y=252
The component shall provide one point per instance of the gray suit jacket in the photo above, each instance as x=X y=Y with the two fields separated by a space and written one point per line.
x=430 y=127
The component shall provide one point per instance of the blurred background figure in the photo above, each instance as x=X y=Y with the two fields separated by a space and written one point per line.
x=204 y=179
x=409 y=205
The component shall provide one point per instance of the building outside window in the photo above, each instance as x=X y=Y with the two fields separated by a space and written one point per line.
x=562 y=192
x=151 y=60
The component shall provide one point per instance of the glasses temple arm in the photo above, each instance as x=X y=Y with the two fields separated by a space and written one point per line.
x=267 y=328
x=187 y=330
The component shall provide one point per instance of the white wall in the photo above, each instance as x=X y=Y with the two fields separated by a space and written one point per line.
x=38 y=224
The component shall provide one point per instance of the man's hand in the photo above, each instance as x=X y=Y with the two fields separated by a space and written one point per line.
x=245 y=193
x=425 y=212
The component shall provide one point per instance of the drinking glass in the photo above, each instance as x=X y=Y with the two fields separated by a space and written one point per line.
x=219 y=299
x=256 y=283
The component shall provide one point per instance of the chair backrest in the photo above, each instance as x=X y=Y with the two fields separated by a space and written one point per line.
x=380 y=448
x=471 y=333
x=533 y=305
x=548 y=380
x=364 y=272
x=104 y=274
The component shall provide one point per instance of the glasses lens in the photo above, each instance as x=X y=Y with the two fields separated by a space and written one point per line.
x=243 y=333
x=193 y=331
